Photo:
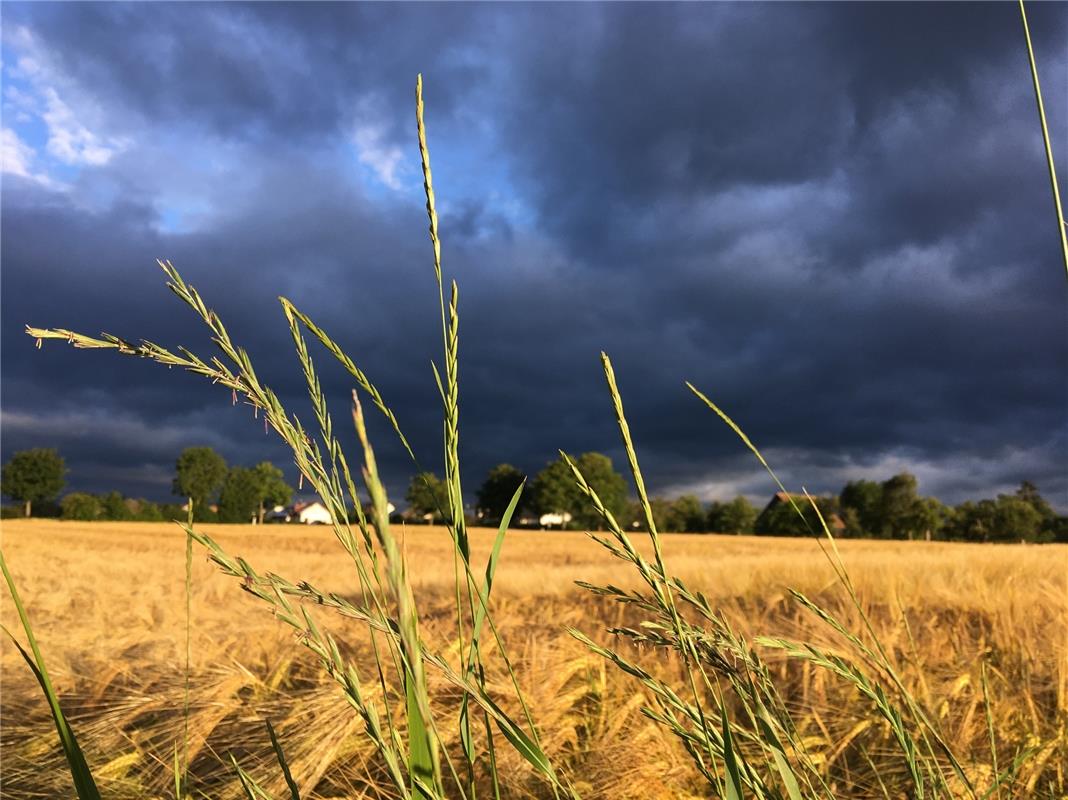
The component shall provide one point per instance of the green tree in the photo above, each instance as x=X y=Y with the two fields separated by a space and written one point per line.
x=497 y=491
x=782 y=519
x=684 y=514
x=971 y=521
x=687 y=515
x=633 y=516
x=610 y=486
x=1015 y=519
x=554 y=490
x=1057 y=528
x=850 y=523
x=1029 y=493
x=113 y=507
x=273 y=489
x=737 y=516
x=143 y=510
x=925 y=519
x=200 y=475
x=862 y=508
x=33 y=476
x=171 y=511
x=428 y=494
x=662 y=514
x=80 y=506
x=240 y=497
x=898 y=503
x=1006 y=519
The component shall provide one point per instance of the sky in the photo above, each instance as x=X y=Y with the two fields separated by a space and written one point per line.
x=835 y=220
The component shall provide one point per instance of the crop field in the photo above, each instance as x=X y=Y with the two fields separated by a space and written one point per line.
x=107 y=601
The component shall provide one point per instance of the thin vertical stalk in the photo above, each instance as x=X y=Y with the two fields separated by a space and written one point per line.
x=1061 y=223
x=184 y=786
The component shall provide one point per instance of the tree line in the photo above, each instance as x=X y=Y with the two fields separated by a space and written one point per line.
x=890 y=509
x=219 y=492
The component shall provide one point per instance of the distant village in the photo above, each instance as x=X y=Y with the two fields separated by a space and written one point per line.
x=891 y=509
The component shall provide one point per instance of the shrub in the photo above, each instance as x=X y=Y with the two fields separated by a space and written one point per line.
x=78 y=505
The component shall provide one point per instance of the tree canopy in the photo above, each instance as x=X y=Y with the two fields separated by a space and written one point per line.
x=684 y=514
x=81 y=506
x=782 y=519
x=200 y=475
x=861 y=504
x=271 y=486
x=428 y=494
x=1007 y=518
x=33 y=476
x=736 y=516
x=497 y=491
x=554 y=490
x=241 y=494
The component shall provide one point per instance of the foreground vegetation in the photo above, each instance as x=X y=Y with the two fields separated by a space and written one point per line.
x=108 y=604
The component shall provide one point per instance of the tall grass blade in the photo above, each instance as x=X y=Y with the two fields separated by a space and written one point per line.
x=294 y=792
x=79 y=768
x=990 y=727
x=188 y=652
x=734 y=778
x=494 y=557
x=473 y=665
x=660 y=585
x=420 y=758
x=423 y=764
x=523 y=744
x=1062 y=224
x=771 y=741
x=177 y=772
x=252 y=790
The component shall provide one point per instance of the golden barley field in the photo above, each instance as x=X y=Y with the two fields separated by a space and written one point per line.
x=107 y=601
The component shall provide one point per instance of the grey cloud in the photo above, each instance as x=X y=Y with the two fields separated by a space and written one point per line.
x=814 y=213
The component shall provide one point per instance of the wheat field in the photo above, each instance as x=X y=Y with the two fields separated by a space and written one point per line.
x=107 y=601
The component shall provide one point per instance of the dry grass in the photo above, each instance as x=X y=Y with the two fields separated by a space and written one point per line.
x=106 y=600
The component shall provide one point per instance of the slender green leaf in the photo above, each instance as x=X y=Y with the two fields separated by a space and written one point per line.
x=491 y=563
x=1062 y=224
x=525 y=746
x=177 y=774
x=730 y=760
x=294 y=792
x=420 y=760
x=771 y=741
x=79 y=769
x=253 y=791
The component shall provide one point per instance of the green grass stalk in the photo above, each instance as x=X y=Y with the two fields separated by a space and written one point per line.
x=1062 y=224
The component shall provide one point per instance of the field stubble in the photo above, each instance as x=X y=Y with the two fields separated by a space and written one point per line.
x=107 y=603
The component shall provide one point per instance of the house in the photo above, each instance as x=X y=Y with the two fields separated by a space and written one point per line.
x=553 y=520
x=313 y=513
x=308 y=513
x=532 y=519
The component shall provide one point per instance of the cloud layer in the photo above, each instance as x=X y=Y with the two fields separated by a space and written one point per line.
x=835 y=220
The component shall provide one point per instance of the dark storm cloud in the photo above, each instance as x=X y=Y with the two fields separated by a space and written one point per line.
x=264 y=71
x=834 y=219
